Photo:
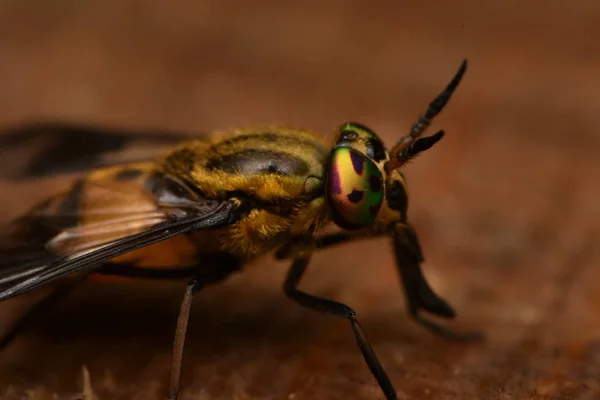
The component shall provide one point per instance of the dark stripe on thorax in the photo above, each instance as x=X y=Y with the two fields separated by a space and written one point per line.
x=257 y=161
x=288 y=139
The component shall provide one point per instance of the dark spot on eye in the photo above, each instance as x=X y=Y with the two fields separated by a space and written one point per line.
x=375 y=150
x=358 y=163
x=356 y=196
x=373 y=210
x=374 y=184
x=128 y=174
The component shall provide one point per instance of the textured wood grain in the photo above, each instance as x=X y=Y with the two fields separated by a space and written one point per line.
x=506 y=205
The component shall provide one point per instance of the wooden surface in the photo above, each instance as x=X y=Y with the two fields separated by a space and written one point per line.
x=507 y=205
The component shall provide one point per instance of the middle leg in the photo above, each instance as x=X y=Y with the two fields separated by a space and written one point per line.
x=341 y=310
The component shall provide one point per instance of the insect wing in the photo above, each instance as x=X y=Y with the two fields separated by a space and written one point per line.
x=28 y=261
x=36 y=150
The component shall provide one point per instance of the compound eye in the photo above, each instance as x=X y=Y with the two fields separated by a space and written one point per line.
x=354 y=188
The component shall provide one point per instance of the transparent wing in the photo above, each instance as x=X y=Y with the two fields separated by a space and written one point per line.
x=40 y=149
x=61 y=237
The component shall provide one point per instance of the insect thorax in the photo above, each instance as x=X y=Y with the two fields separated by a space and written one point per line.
x=269 y=164
x=280 y=171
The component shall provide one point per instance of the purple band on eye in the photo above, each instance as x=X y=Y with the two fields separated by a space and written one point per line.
x=358 y=162
x=336 y=185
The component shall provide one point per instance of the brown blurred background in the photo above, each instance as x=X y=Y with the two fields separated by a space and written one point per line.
x=506 y=205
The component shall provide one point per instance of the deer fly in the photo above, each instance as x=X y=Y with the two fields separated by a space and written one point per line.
x=205 y=206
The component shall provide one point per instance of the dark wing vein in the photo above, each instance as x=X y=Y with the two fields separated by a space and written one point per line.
x=219 y=214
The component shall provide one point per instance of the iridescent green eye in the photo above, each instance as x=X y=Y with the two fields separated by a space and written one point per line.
x=354 y=188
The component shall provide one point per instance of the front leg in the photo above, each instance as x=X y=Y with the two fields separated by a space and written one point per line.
x=419 y=294
x=301 y=246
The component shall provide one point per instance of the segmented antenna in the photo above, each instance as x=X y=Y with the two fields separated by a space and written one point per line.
x=409 y=146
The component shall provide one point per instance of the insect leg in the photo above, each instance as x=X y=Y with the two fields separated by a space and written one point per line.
x=331 y=239
x=419 y=294
x=179 y=340
x=334 y=239
x=341 y=310
x=39 y=308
